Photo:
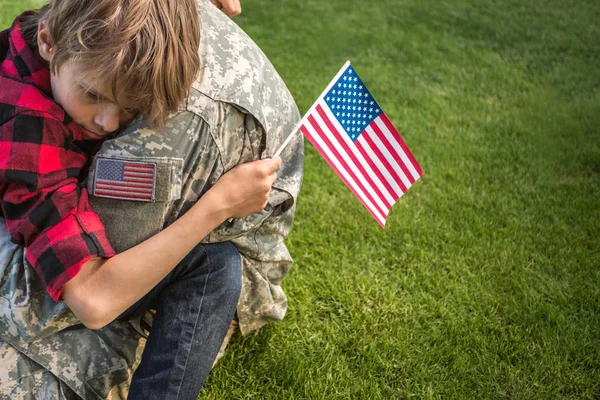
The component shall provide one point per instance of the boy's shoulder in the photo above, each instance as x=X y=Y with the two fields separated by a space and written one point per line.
x=19 y=97
x=24 y=80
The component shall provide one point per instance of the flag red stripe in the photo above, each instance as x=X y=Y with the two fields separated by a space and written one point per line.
x=125 y=184
x=122 y=195
x=332 y=165
x=334 y=149
x=392 y=151
x=384 y=161
x=350 y=153
x=407 y=151
x=378 y=172
x=142 y=166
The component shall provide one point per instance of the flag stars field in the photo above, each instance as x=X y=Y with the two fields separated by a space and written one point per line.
x=366 y=151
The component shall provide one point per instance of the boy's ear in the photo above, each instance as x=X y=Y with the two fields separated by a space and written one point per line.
x=44 y=41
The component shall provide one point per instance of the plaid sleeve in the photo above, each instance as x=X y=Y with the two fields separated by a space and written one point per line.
x=43 y=204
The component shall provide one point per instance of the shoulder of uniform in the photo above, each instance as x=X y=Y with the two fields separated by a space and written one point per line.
x=235 y=70
x=200 y=104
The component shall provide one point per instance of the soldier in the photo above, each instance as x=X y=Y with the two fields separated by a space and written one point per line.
x=239 y=110
x=229 y=7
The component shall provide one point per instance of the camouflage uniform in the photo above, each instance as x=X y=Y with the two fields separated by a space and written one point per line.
x=238 y=110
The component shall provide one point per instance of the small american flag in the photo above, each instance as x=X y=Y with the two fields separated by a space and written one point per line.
x=125 y=180
x=349 y=129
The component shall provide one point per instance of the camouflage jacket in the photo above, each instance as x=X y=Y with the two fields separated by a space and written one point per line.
x=238 y=110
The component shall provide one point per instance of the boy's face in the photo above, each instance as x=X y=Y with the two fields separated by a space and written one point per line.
x=83 y=99
x=85 y=103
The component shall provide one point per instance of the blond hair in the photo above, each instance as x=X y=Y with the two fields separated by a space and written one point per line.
x=144 y=51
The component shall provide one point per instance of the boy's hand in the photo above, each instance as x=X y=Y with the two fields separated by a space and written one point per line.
x=244 y=190
x=230 y=7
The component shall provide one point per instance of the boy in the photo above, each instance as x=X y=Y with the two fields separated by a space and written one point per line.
x=97 y=82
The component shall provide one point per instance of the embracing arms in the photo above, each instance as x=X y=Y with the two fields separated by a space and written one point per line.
x=104 y=288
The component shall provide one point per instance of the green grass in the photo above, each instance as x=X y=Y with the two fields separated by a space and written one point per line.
x=486 y=282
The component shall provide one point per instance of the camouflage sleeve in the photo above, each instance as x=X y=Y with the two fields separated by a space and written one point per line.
x=265 y=261
x=260 y=237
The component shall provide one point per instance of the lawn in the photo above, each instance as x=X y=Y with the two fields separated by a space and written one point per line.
x=486 y=281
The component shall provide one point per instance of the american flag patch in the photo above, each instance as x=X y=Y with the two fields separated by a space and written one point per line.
x=125 y=180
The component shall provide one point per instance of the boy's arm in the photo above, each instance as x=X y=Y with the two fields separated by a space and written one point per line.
x=104 y=289
x=45 y=208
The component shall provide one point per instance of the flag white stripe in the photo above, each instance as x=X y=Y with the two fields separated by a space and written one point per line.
x=135 y=179
x=380 y=166
x=384 y=151
x=149 y=167
x=394 y=142
x=345 y=175
x=365 y=166
x=140 y=170
x=396 y=189
x=313 y=134
x=348 y=161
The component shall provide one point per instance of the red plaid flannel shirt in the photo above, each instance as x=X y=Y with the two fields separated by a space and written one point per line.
x=45 y=207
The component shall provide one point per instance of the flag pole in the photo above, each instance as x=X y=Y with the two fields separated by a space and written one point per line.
x=289 y=138
x=297 y=127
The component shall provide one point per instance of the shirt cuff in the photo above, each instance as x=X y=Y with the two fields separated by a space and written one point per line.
x=58 y=254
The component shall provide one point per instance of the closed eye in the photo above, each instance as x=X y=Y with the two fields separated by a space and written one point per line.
x=91 y=95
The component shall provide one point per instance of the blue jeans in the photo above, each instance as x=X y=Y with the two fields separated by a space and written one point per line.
x=194 y=305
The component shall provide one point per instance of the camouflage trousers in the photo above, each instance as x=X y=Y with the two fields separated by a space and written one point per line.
x=23 y=378
x=45 y=353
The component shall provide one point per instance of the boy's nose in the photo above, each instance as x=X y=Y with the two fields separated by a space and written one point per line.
x=108 y=119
